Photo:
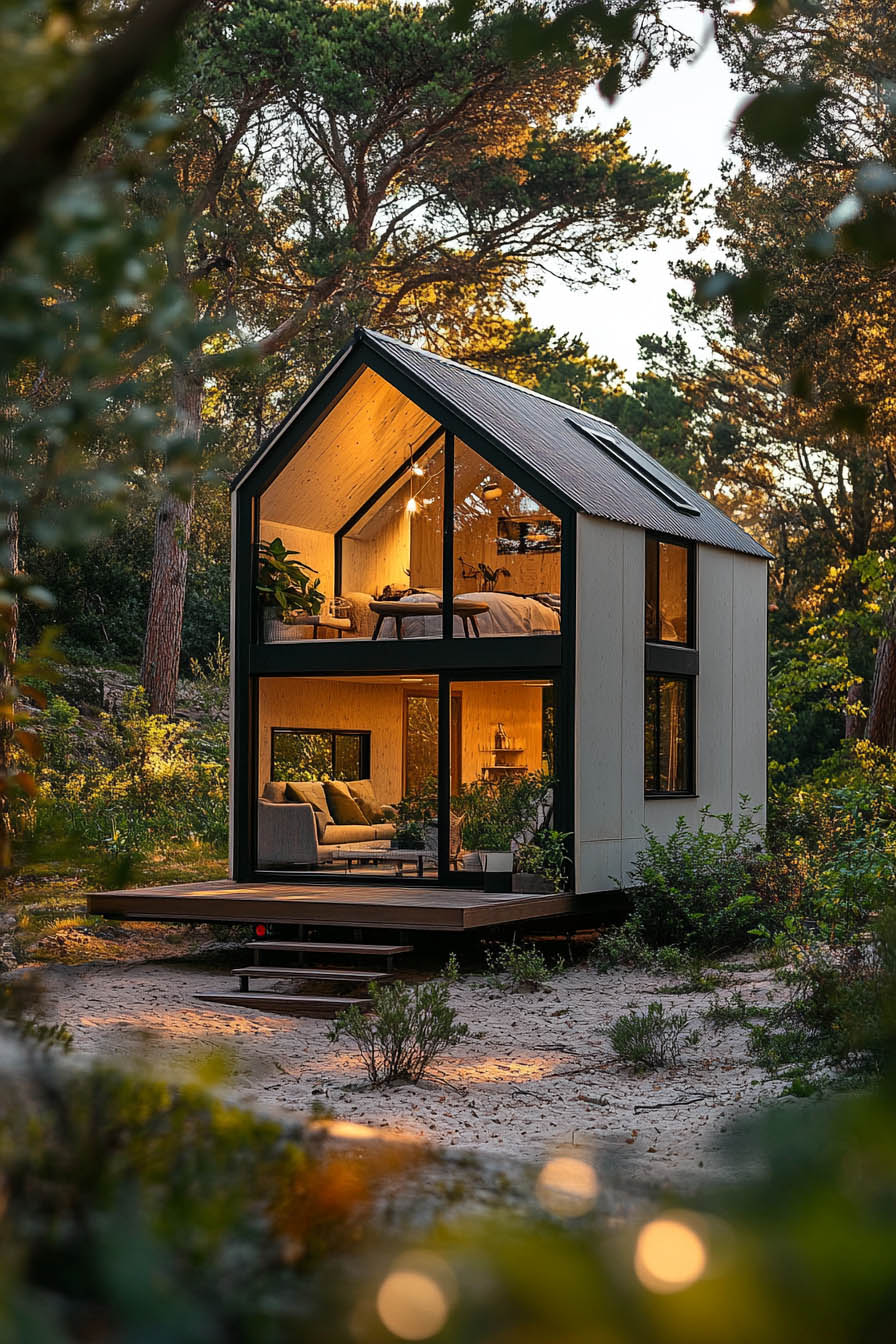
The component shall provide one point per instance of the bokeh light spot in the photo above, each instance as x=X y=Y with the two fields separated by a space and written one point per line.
x=669 y=1255
x=567 y=1187
x=416 y=1296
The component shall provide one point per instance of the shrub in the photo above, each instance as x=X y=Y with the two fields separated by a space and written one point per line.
x=733 y=1011
x=133 y=781
x=842 y=1007
x=649 y=1040
x=409 y=1028
x=518 y=966
x=696 y=890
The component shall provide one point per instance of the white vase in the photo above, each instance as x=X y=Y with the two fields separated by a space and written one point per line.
x=496 y=860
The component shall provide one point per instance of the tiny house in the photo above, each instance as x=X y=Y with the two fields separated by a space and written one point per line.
x=463 y=612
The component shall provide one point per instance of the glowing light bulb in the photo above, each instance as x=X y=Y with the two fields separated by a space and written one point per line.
x=417 y=470
x=411 y=506
x=669 y=1255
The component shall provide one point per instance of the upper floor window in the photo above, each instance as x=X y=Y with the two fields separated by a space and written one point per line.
x=668 y=595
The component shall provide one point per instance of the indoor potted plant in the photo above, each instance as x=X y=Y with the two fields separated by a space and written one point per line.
x=542 y=864
x=285 y=584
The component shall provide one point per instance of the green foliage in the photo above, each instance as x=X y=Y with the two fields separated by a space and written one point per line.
x=696 y=890
x=129 y=782
x=495 y=813
x=408 y=1029
x=284 y=580
x=733 y=1011
x=516 y=966
x=159 y=1210
x=546 y=855
x=649 y=1040
x=841 y=1011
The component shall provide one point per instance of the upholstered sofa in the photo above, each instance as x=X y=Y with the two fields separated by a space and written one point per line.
x=297 y=829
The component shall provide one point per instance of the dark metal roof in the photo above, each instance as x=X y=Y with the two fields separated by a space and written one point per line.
x=584 y=459
x=561 y=444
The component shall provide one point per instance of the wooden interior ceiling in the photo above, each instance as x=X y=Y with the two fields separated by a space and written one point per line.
x=366 y=435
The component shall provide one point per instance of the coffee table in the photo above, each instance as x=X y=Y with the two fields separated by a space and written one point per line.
x=348 y=855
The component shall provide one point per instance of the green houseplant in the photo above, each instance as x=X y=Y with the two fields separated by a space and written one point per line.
x=285 y=584
x=497 y=812
x=543 y=863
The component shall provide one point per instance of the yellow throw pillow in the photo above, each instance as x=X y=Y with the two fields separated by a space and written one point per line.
x=362 y=792
x=311 y=791
x=342 y=805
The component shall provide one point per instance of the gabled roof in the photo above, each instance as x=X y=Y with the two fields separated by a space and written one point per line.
x=584 y=459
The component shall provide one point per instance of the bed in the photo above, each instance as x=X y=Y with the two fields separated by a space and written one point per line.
x=507 y=614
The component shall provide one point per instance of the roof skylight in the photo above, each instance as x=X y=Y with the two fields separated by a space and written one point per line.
x=667 y=493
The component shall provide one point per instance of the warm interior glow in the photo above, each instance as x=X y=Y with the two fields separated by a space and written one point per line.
x=411 y=506
x=669 y=1255
x=567 y=1187
x=415 y=1297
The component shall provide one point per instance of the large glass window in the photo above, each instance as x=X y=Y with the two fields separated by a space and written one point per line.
x=668 y=617
x=502 y=768
x=668 y=734
x=507 y=554
x=348 y=776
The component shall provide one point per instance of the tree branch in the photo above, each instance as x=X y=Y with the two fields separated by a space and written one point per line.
x=47 y=143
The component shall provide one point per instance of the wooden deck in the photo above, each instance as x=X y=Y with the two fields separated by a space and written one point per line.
x=403 y=906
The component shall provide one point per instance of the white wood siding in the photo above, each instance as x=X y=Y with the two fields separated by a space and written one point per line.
x=611 y=811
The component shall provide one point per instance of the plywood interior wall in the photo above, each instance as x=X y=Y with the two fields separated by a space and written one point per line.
x=313 y=548
x=380 y=552
x=484 y=705
x=377 y=706
x=371 y=706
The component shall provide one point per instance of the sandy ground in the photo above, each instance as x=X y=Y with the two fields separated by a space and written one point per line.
x=535 y=1073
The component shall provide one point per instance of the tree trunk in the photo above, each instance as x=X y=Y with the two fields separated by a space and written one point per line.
x=174 y=519
x=853 y=722
x=881 y=728
x=9 y=652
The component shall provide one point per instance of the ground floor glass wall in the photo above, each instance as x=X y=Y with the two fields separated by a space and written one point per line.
x=348 y=774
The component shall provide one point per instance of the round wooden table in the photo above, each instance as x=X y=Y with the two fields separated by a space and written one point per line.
x=467 y=611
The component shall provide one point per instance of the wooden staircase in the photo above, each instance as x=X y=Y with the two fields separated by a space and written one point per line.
x=341 y=980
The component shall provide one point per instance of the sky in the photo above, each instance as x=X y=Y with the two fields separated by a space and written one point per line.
x=683 y=117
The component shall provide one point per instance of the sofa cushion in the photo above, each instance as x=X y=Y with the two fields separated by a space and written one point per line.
x=348 y=835
x=384 y=830
x=343 y=808
x=311 y=791
x=362 y=792
x=274 y=791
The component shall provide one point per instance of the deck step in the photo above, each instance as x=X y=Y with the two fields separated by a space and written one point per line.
x=310 y=973
x=337 y=949
x=293 y=1005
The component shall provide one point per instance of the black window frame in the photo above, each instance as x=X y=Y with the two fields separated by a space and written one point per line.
x=657 y=539
x=363 y=735
x=690 y=684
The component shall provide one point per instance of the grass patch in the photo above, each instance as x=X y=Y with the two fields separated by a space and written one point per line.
x=649 y=1040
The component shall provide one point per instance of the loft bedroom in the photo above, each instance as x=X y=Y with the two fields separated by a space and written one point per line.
x=360 y=513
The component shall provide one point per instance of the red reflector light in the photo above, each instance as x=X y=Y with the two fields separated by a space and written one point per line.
x=260 y=930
